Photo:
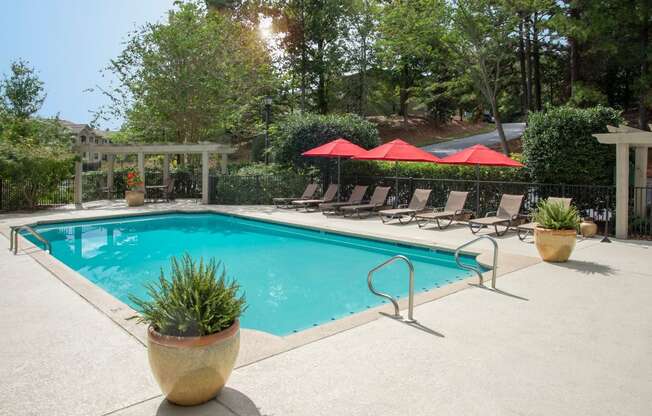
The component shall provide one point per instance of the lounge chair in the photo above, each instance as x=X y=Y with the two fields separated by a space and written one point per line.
x=528 y=228
x=355 y=198
x=376 y=202
x=308 y=193
x=417 y=204
x=507 y=213
x=453 y=210
x=329 y=196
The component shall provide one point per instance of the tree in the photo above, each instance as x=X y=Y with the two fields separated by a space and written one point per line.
x=411 y=44
x=314 y=42
x=198 y=76
x=484 y=28
x=22 y=91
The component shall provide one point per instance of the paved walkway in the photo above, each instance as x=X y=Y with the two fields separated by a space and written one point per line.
x=512 y=131
x=565 y=339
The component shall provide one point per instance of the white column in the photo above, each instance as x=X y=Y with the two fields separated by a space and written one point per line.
x=622 y=189
x=204 y=177
x=78 y=182
x=166 y=168
x=141 y=167
x=110 y=163
x=640 y=179
x=223 y=163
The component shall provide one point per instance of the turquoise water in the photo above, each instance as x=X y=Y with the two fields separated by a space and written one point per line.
x=293 y=278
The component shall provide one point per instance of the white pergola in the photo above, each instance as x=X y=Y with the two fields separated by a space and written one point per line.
x=205 y=149
x=625 y=137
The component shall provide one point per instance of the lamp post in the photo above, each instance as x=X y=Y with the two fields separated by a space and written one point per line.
x=268 y=112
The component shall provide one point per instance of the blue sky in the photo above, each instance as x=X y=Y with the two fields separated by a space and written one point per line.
x=69 y=42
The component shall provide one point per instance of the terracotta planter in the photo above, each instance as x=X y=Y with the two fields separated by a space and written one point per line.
x=135 y=198
x=554 y=245
x=588 y=228
x=193 y=370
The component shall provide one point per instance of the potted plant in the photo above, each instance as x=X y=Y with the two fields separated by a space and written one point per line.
x=194 y=332
x=134 y=195
x=556 y=230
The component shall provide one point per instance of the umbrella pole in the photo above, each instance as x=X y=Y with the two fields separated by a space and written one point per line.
x=339 y=181
x=477 y=190
x=396 y=184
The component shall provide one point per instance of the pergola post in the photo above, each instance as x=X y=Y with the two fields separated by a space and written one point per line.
x=223 y=163
x=78 y=182
x=204 y=177
x=166 y=168
x=640 y=179
x=141 y=167
x=110 y=163
x=622 y=189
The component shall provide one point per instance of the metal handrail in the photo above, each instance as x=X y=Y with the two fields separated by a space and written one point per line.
x=13 y=238
x=392 y=299
x=477 y=269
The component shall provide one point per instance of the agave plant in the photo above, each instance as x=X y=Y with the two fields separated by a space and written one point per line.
x=195 y=301
x=556 y=216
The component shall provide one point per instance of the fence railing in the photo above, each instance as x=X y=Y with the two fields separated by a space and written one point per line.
x=593 y=201
x=640 y=212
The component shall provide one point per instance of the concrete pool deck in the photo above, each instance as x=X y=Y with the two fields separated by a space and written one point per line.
x=556 y=339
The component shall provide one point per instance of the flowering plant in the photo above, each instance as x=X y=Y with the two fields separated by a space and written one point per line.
x=134 y=181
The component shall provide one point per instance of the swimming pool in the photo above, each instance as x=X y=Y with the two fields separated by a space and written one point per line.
x=293 y=278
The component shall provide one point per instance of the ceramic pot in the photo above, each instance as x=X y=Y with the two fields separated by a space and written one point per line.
x=193 y=370
x=588 y=228
x=135 y=198
x=554 y=245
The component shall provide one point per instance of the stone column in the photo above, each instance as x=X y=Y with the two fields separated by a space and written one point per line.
x=204 y=177
x=166 y=168
x=141 y=167
x=223 y=163
x=78 y=182
x=640 y=179
x=110 y=162
x=622 y=189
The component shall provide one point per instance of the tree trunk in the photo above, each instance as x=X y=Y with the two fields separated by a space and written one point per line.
x=525 y=105
x=303 y=59
x=363 y=77
x=574 y=52
x=403 y=107
x=528 y=64
x=643 y=120
x=322 y=101
x=499 y=126
x=536 y=63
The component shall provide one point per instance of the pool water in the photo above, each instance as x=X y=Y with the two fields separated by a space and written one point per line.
x=293 y=278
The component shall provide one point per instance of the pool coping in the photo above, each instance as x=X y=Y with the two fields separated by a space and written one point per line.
x=256 y=345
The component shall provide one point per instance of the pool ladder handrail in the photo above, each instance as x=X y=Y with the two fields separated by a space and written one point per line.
x=394 y=301
x=13 y=238
x=477 y=269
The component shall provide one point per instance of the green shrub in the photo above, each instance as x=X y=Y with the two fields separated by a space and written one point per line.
x=585 y=96
x=558 y=146
x=300 y=132
x=194 y=302
x=432 y=171
x=556 y=216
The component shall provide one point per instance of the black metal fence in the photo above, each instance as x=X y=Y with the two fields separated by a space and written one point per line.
x=597 y=202
x=23 y=195
x=640 y=212
x=187 y=184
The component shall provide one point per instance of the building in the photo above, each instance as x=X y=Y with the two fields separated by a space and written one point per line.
x=85 y=134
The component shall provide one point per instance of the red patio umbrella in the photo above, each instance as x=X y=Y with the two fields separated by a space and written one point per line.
x=338 y=148
x=397 y=151
x=478 y=155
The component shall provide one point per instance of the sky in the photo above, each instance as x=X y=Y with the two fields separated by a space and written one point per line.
x=69 y=42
